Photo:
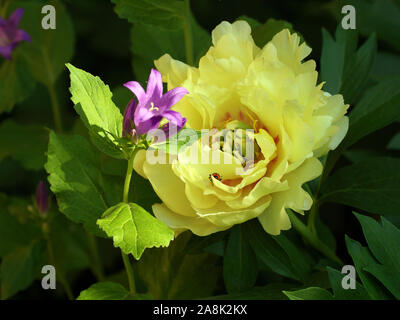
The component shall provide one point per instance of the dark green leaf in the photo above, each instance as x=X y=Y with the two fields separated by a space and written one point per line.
x=312 y=293
x=240 y=263
x=339 y=293
x=372 y=185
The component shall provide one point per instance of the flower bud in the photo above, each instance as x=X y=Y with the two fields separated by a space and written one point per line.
x=42 y=197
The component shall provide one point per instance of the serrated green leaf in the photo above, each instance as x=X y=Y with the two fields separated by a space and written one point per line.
x=372 y=185
x=20 y=268
x=25 y=143
x=167 y=14
x=312 y=293
x=104 y=291
x=92 y=99
x=240 y=263
x=50 y=49
x=134 y=229
x=75 y=179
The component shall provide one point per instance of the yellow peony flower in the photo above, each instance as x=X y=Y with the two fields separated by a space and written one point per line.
x=271 y=90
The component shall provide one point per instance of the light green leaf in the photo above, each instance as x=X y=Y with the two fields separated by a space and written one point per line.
x=24 y=143
x=134 y=229
x=50 y=49
x=75 y=179
x=20 y=268
x=104 y=291
x=372 y=185
x=167 y=14
x=177 y=143
x=93 y=103
x=240 y=263
x=312 y=293
x=379 y=107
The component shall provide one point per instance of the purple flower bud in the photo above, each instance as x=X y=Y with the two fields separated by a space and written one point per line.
x=10 y=35
x=42 y=197
x=152 y=106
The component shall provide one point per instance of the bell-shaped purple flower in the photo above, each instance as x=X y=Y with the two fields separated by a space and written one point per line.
x=10 y=35
x=42 y=197
x=152 y=106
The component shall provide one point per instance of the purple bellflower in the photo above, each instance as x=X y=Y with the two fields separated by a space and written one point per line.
x=10 y=35
x=152 y=106
x=42 y=197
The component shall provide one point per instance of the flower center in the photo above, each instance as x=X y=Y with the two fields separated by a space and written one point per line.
x=152 y=107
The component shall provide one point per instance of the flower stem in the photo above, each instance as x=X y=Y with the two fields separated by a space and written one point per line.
x=55 y=107
x=187 y=30
x=125 y=257
x=312 y=238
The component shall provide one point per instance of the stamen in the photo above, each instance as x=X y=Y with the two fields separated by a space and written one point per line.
x=153 y=107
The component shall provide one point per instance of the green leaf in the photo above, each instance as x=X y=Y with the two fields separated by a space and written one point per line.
x=362 y=258
x=150 y=42
x=335 y=278
x=50 y=49
x=240 y=263
x=344 y=68
x=15 y=234
x=25 y=143
x=379 y=107
x=20 y=268
x=75 y=179
x=178 y=142
x=264 y=33
x=166 y=14
x=134 y=229
x=383 y=241
x=394 y=143
x=16 y=82
x=104 y=291
x=93 y=103
x=372 y=185
x=268 y=251
x=312 y=293
x=380 y=16
x=182 y=275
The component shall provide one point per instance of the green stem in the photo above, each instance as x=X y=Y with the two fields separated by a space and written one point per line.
x=312 y=239
x=187 y=30
x=97 y=267
x=55 y=107
x=125 y=258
